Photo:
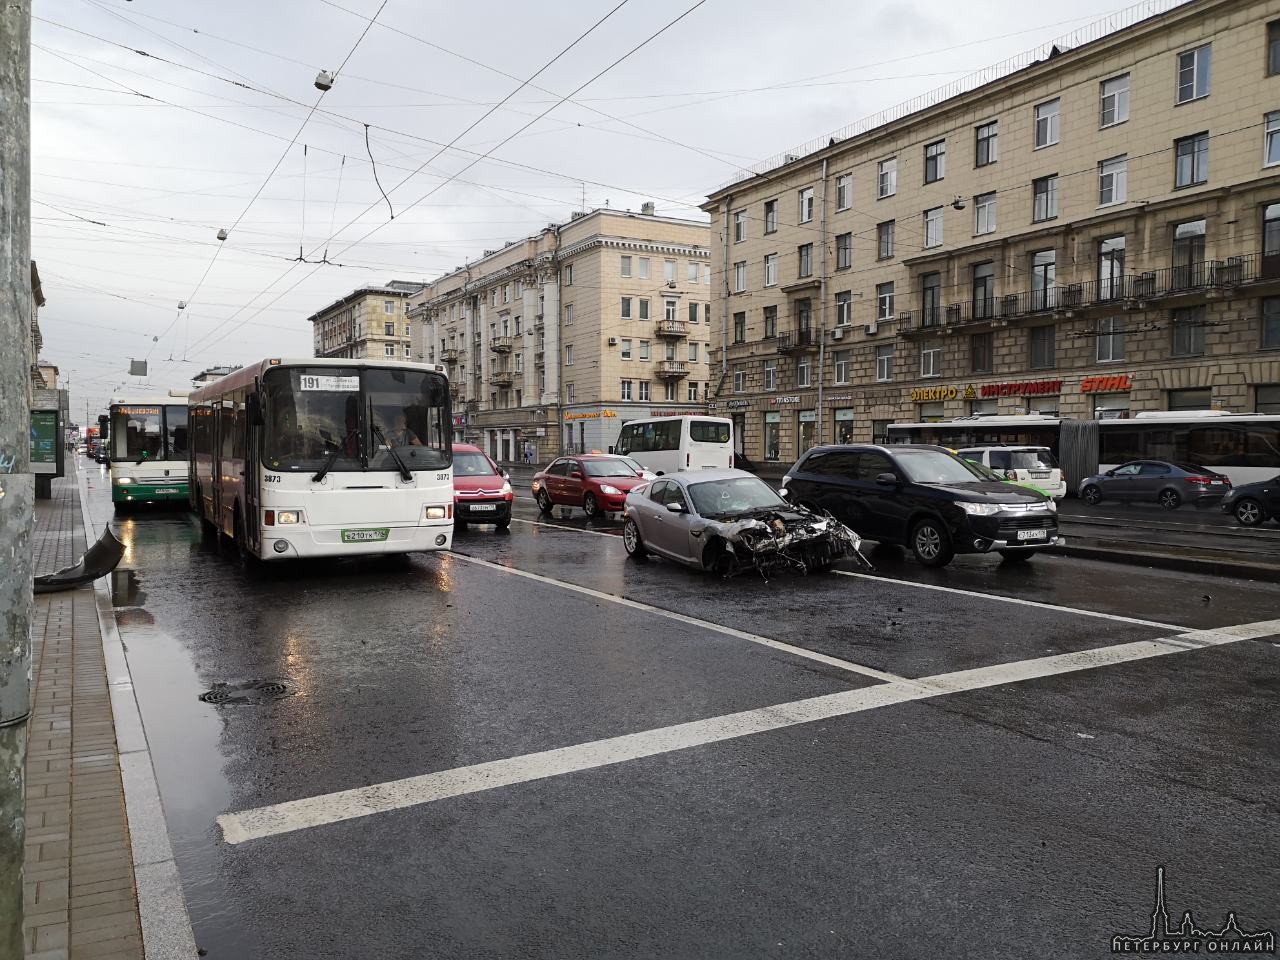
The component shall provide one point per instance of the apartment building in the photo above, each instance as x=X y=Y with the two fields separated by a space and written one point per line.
x=1092 y=234
x=555 y=341
x=370 y=323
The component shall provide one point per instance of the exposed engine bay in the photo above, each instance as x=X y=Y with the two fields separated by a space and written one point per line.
x=770 y=539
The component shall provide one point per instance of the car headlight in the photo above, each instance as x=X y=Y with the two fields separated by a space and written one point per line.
x=980 y=509
x=288 y=516
x=506 y=490
x=1051 y=506
x=124 y=481
x=610 y=490
x=435 y=513
x=536 y=485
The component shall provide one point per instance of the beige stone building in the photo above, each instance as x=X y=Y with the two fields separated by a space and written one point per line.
x=559 y=339
x=1093 y=233
x=370 y=323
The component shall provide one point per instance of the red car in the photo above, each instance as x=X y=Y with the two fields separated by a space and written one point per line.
x=598 y=483
x=481 y=491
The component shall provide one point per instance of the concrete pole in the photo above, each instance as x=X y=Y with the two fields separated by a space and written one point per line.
x=17 y=486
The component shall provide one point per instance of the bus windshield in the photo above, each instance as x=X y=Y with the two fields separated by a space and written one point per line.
x=141 y=432
x=355 y=416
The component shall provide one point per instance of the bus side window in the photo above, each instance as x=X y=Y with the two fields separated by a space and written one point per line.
x=669 y=435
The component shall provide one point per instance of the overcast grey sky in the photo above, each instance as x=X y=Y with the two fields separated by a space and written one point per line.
x=163 y=150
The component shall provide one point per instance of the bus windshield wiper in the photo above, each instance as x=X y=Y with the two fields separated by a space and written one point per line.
x=332 y=458
x=142 y=456
x=404 y=470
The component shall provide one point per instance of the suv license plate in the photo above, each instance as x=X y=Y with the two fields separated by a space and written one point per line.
x=475 y=507
x=1032 y=534
x=1039 y=474
x=365 y=536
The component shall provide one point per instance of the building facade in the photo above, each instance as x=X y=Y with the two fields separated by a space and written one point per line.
x=1095 y=234
x=556 y=340
x=371 y=323
x=36 y=343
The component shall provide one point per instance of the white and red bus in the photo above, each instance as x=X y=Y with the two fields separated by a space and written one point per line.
x=323 y=458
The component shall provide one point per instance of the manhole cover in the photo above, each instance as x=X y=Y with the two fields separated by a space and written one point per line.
x=254 y=691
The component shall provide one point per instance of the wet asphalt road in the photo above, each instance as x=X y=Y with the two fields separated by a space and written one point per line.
x=1023 y=819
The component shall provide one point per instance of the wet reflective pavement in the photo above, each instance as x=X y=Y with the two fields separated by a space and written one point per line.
x=1026 y=817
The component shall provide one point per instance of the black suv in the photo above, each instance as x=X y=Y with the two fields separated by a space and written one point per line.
x=923 y=497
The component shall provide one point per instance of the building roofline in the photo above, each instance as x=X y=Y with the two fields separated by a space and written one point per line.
x=368 y=291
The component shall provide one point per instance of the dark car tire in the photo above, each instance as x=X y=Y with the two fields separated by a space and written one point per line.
x=931 y=543
x=1016 y=556
x=632 y=542
x=590 y=505
x=717 y=559
x=502 y=524
x=1169 y=499
x=544 y=501
x=1249 y=512
x=1092 y=495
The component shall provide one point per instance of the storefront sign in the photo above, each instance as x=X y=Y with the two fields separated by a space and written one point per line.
x=776 y=400
x=589 y=415
x=842 y=398
x=1025 y=388
x=1119 y=383
x=671 y=413
x=808 y=416
x=926 y=394
x=737 y=404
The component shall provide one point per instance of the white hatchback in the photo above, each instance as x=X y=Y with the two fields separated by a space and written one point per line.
x=1029 y=464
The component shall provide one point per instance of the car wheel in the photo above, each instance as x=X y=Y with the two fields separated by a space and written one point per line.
x=590 y=506
x=544 y=501
x=502 y=524
x=1091 y=495
x=1169 y=499
x=631 y=540
x=931 y=543
x=1016 y=556
x=1248 y=513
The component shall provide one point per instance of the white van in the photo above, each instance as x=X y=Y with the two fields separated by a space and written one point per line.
x=672 y=444
x=1029 y=464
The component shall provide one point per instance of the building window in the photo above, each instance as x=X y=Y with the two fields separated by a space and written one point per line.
x=842 y=365
x=568 y=274
x=693 y=391
x=740 y=379
x=884 y=301
x=1271 y=323
x=644 y=349
x=1047 y=123
x=388 y=349
x=1043 y=276
x=693 y=313
x=771 y=374
x=388 y=306
x=389 y=329
x=669 y=310
x=739 y=226
x=625 y=352
x=626 y=308
x=933 y=228
x=806 y=205
x=984 y=290
x=931 y=360
x=844 y=308
x=887 y=178
x=693 y=351
x=644 y=309
x=1188 y=332
x=1042 y=347
x=884 y=240
x=844 y=251
x=1193 y=74
x=1191 y=163
x=1112 y=180
x=669 y=391
x=1110 y=339
x=740 y=276
x=985 y=149
x=770 y=216
x=1044 y=192
x=884 y=363
x=770 y=269
x=984 y=213
x=805 y=256
x=740 y=328
x=626 y=390
x=1114 y=107
x=1111 y=268
x=930 y=299
x=693 y=273
x=626 y=266
x=1196 y=399
x=981 y=352
x=844 y=191
x=1271 y=139
x=770 y=322
x=935 y=161
x=773 y=436
x=1189 y=269
x=642 y=268
x=568 y=314
x=669 y=271
x=644 y=391
x=1273 y=48
x=568 y=355
x=802 y=372
x=803 y=314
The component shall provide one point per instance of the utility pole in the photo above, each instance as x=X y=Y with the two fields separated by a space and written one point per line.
x=17 y=485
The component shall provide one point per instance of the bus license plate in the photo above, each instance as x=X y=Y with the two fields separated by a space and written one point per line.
x=167 y=490
x=473 y=507
x=1032 y=534
x=365 y=536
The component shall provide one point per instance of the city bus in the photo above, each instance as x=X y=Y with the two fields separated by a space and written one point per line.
x=1245 y=447
x=146 y=441
x=325 y=458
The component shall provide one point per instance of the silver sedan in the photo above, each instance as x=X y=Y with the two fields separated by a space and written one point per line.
x=730 y=521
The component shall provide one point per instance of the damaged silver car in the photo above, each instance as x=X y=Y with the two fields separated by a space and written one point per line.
x=730 y=522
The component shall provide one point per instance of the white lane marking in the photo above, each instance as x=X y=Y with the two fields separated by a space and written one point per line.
x=414 y=791
x=1078 y=611
x=682 y=618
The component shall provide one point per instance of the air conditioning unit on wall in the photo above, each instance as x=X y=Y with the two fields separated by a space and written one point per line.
x=837 y=334
x=613 y=341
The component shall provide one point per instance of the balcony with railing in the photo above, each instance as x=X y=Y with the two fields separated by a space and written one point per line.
x=501 y=344
x=451 y=355
x=674 y=329
x=672 y=369
x=795 y=341
x=539 y=357
x=501 y=378
x=457 y=391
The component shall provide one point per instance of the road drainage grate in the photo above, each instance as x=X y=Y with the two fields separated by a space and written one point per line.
x=254 y=691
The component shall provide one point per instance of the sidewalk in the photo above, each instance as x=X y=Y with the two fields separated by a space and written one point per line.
x=81 y=899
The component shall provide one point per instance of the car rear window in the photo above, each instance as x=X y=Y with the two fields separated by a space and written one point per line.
x=1033 y=460
x=708 y=431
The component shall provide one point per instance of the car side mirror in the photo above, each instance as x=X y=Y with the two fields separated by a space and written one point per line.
x=1109 y=473
x=505 y=475
x=253 y=410
x=675 y=508
x=887 y=480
